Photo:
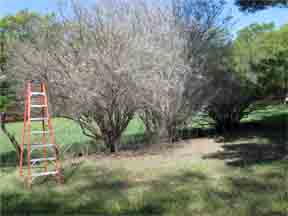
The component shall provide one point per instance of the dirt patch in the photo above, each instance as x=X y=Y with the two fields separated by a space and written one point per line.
x=162 y=159
x=199 y=146
x=187 y=148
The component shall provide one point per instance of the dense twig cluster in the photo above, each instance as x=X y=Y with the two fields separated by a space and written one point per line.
x=106 y=64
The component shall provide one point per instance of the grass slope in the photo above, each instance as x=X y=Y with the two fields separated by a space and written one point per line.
x=67 y=132
x=173 y=182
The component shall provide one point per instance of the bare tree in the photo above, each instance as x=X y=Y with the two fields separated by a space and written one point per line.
x=105 y=64
x=92 y=63
x=180 y=86
x=204 y=25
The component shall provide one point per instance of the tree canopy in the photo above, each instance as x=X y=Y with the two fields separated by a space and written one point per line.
x=108 y=63
x=23 y=23
x=132 y=59
x=20 y=26
x=256 y=5
x=260 y=56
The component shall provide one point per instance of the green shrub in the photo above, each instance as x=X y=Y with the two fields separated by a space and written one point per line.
x=4 y=103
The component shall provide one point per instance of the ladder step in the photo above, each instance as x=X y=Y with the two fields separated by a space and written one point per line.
x=38 y=167
x=38 y=119
x=44 y=174
x=37 y=94
x=42 y=159
x=40 y=132
x=38 y=106
x=35 y=146
x=35 y=81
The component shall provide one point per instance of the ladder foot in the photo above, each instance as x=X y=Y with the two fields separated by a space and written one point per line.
x=27 y=183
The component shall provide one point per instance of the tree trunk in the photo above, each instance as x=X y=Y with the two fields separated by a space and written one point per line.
x=113 y=147
x=172 y=132
x=163 y=131
x=167 y=131
x=152 y=125
x=227 y=124
x=9 y=135
x=112 y=143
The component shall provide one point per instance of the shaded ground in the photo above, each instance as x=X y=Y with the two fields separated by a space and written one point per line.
x=261 y=137
x=166 y=179
x=176 y=183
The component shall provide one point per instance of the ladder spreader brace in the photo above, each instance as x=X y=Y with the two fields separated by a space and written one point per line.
x=45 y=146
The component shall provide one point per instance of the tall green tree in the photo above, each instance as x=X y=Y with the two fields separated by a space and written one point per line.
x=249 y=47
x=256 y=5
x=260 y=53
x=272 y=70
x=20 y=26
x=2 y=51
x=23 y=26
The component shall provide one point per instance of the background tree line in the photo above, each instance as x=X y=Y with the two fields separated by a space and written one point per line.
x=107 y=64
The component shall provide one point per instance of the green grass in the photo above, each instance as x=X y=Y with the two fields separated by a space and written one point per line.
x=101 y=189
x=67 y=133
x=180 y=183
x=270 y=112
x=136 y=126
x=265 y=125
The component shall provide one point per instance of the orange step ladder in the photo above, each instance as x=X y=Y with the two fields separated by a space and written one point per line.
x=38 y=140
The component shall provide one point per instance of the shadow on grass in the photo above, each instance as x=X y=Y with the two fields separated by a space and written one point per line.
x=255 y=142
x=257 y=191
x=94 y=190
x=248 y=153
x=8 y=159
x=90 y=191
x=86 y=191
x=102 y=191
x=171 y=195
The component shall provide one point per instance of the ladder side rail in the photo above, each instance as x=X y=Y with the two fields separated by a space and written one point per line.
x=29 y=134
x=51 y=132
x=43 y=112
x=23 y=131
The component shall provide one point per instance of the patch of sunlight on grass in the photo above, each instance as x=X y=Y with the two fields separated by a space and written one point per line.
x=67 y=132
x=268 y=111
x=136 y=126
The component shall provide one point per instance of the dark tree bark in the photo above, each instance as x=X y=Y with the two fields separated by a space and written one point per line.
x=227 y=117
x=172 y=132
x=10 y=136
x=112 y=141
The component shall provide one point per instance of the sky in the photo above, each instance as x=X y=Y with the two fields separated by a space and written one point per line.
x=277 y=15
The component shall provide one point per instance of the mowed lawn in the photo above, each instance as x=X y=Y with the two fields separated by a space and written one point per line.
x=67 y=133
x=173 y=182
x=176 y=179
